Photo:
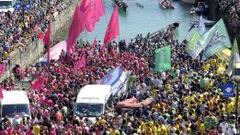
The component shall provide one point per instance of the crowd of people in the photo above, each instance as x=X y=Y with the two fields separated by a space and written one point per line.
x=16 y=31
x=231 y=10
x=186 y=99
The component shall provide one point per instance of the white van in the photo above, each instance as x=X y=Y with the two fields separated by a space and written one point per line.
x=92 y=100
x=15 y=103
x=7 y=5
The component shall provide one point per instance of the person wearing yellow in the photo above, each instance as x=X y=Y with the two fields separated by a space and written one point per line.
x=36 y=129
x=114 y=131
x=163 y=129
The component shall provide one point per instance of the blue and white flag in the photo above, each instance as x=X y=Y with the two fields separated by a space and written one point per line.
x=112 y=77
x=202 y=27
x=228 y=90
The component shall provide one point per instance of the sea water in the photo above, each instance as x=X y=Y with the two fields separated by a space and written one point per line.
x=138 y=20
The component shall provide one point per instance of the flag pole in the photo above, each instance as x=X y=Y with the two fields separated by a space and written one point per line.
x=85 y=33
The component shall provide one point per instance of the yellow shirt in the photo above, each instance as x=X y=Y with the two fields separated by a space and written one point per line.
x=114 y=132
x=36 y=130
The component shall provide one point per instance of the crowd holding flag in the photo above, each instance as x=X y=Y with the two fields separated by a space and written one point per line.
x=113 y=28
x=163 y=59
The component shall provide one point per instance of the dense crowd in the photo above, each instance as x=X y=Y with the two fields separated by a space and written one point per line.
x=187 y=99
x=14 y=32
x=231 y=10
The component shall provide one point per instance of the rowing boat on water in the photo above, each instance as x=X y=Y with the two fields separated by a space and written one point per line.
x=139 y=5
x=189 y=1
x=166 y=4
x=121 y=5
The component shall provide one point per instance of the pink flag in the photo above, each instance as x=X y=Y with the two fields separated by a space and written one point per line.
x=1 y=93
x=113 y=28
x=3 y=68
x=46 y=40
x=75 y=29
x=81 y=63
x=92 y=13
x=100 y=11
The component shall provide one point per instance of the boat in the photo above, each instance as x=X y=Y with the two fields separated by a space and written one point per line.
x=189 y=1
x=139 y=5
x=121 y=5
x=166 y=4
x=201 y=9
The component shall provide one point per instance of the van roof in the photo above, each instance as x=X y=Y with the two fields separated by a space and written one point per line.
x=94 y=94
x=14 y=97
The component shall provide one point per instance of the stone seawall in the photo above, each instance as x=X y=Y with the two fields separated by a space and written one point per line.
x=34 y=50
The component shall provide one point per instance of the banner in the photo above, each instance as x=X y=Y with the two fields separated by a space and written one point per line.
x=163 y=59
x=228 y=90
x=219 y=40
x=191 y=46
x=55 y=51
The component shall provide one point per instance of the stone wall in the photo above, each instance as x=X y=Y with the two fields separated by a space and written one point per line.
x=35 y=49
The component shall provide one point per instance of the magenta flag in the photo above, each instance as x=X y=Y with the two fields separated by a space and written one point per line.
x=84 y=5
x=113 y=28
x=75 y=29
x=3 y=68
x=81 y=63
x=100 y=11
x=92 y=14
x=1 y=93
x=47 y=39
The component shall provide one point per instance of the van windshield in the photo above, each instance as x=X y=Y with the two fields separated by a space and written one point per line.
x=89 y=110
x=5 y=4
x=12 y=110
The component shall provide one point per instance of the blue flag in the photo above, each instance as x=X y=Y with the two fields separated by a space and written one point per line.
x=228 y=90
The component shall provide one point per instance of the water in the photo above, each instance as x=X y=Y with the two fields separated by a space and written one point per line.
x=137 y=20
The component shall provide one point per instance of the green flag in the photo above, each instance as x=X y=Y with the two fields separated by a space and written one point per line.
x=219 y=40
x=163 y=59
x=191 y=46
x=234 y=58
